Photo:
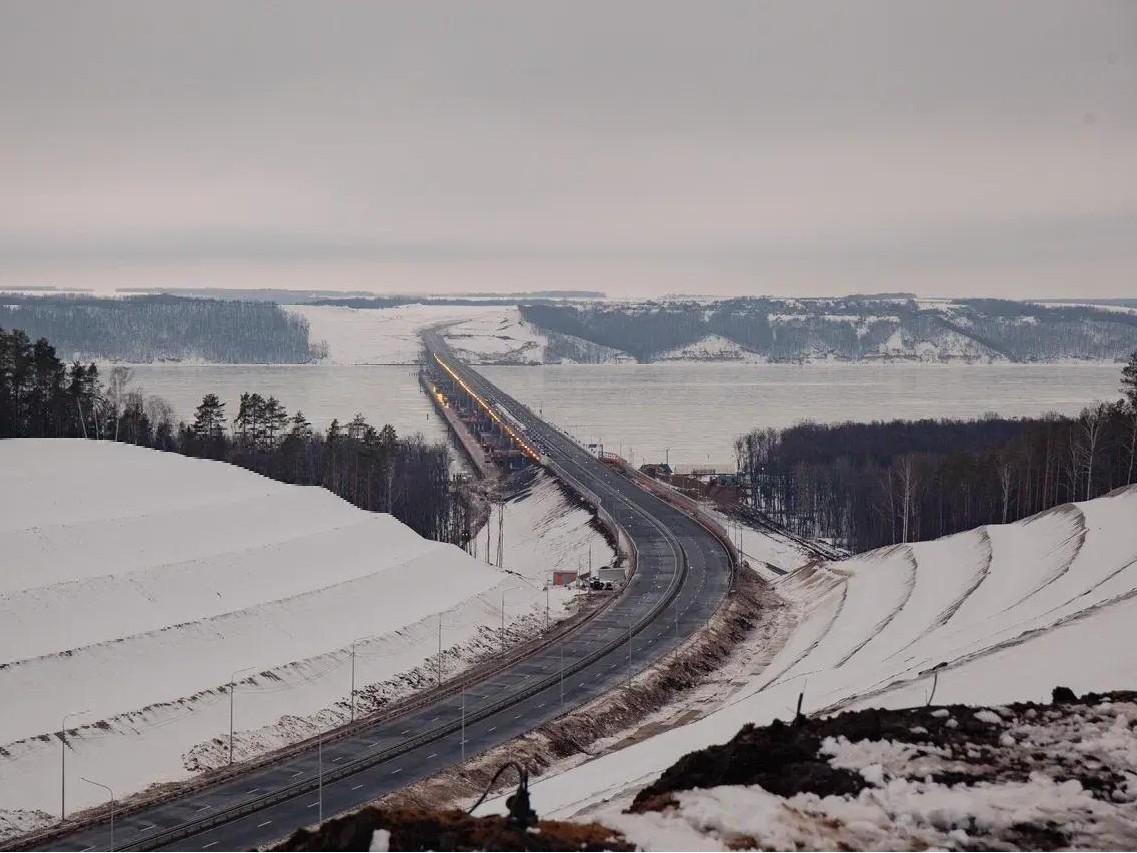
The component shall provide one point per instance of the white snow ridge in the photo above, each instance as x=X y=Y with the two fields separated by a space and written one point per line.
x=1002 y=613
x=136 y=582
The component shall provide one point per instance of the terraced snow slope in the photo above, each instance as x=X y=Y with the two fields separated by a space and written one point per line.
x=1005 y=613
x=133 y=583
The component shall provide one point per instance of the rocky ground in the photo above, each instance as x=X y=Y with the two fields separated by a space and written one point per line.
x=1027 y=776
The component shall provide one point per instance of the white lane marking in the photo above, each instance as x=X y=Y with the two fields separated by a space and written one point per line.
x=85 y=849
x=357 y=787
x=340 y=758
x=203 y=847
x=252 y=790
x=435 y=719
x=491 y=729
x=396 y=770
x=297 y=773
x=543 y=704
x=405 y=732
x=313 y=805
x=266 y=823
x=432 y=755
x=202 y=808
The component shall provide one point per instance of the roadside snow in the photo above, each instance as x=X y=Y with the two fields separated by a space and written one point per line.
x=1003 y=612
x=1061 y=776
x=136 y=582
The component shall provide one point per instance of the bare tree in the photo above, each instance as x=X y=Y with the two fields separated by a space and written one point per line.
x=116 y=392
x=1090 y=425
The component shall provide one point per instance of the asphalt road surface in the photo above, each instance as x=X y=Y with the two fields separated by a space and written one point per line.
x=683 y=573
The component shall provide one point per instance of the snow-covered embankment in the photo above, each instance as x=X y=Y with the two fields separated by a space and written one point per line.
x=134 y=583
x=1002 y=613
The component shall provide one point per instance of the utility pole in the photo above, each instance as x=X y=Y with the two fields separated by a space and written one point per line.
x=63 y=763
x=232 y=689
x=500 y=531
x=629 y=654
x=353 y=644
x=107 y=788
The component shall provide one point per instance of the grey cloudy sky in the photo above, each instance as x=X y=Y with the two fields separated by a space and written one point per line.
x=755 y=147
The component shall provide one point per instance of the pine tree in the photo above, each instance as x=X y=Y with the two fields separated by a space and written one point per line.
x=209 y=418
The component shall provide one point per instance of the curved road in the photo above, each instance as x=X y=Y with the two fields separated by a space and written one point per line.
x=683 y=573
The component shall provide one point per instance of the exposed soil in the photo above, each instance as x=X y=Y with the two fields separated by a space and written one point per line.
x=419 y=829
x=786 y=759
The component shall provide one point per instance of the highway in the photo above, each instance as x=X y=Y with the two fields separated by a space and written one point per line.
x=682 y=576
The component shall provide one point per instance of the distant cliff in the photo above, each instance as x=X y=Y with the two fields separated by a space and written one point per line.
x=848 y=329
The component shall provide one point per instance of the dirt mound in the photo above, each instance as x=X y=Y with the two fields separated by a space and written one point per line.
x=420 y=829
x=787 y=759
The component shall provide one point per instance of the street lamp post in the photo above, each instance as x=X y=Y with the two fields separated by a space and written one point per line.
x=107 y=788
x=503 y=592
x=232 y=690
x=320 y=772
x=353 y=644
x=63 y=763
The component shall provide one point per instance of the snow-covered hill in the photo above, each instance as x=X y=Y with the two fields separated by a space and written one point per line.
x=1002 y=613
x=134 y=583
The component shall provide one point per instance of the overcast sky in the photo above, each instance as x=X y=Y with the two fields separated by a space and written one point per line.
x=952 y=148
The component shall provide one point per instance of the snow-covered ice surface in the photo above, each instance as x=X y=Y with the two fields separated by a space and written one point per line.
x=1006 y=612
x=135 y=582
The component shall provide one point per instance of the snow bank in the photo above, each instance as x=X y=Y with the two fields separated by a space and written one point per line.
x=1003 y=613
x=135 y=582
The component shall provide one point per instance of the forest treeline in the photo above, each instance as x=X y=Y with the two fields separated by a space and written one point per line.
x=852 y=328
x=374 y=469
x=864 y=485
x=149 y=328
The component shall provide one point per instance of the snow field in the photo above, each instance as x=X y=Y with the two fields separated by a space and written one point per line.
x=380 y=335
x=136 y=582
x=1005 y=613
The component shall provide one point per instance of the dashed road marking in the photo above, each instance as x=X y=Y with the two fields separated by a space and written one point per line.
x=203 y=847
x=432 y=755
x=266 y=823
x=396 y=770
x=357 y=787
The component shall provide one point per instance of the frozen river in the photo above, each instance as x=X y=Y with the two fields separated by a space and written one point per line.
x=695 y=409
